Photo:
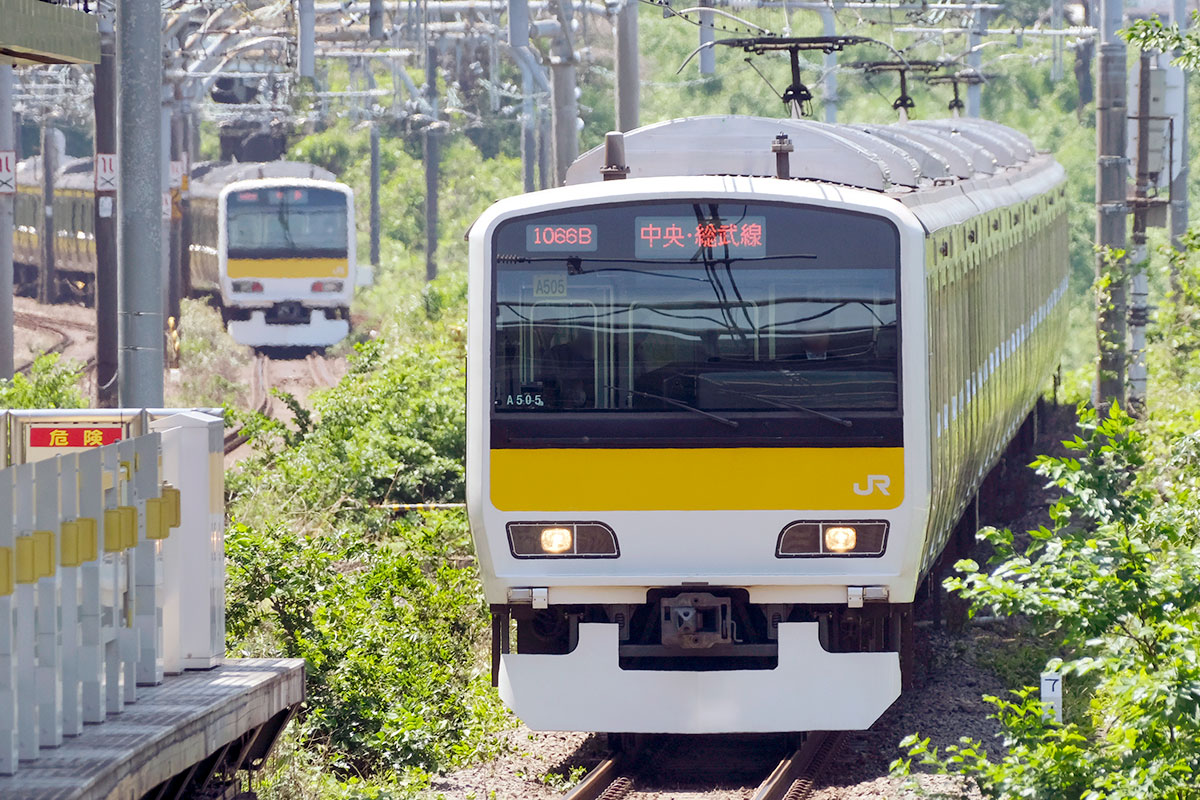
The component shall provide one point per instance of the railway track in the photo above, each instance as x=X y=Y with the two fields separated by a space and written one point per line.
x=655 y=768
x=57 y=326
x=319 y=371
x=260 y=399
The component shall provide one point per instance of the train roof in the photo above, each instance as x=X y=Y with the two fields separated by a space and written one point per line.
x=209 y=177
x=896 y=158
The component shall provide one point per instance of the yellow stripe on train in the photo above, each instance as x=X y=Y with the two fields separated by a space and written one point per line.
x=702 y=479
x=288 y=267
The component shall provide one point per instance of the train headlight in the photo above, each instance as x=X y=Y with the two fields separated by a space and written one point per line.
x=814 y=539
x=840 y=538
x=557 y=540
x=247 y=287
x=327 y=286
x=562 y=540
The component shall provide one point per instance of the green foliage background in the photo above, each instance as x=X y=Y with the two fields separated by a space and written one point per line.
x=386 y=609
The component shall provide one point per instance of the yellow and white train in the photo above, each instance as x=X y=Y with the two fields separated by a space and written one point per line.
x=274 y=242
x=726 y=410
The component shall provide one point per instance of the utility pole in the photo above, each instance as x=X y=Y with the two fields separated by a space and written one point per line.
x=375 y=19
x=1111 y=207
x=139 y=203
x=708 y=55
x=175 y=222
x=1179 y=184
x=375 y=217
x=545 y=129
x=433 y=157
x=307 y=43
x=104 y=103
x=7 y=143
x=48 y=275
x=629 y=85
x=975 y=61
x=829 y=28
x=1139 y=297
x=1056 y=43
x=565 y=106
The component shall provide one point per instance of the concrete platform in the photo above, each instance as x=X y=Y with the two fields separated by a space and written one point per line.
x=36 y=32
x=192 y=729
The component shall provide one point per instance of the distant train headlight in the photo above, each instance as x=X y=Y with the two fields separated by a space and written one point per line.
x=562 y=540
x=247 y=287
x=327 y=286
x=811 y=539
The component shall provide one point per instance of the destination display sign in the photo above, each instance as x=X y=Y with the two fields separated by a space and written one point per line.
x=681 y=237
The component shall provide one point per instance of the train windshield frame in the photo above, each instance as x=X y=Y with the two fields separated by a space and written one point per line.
x=687 y=321
x=284 y=221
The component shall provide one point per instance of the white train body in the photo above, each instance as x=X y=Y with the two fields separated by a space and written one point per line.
x=276 y=241
x=706 y=476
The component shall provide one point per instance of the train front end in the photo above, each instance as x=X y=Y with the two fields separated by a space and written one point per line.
x=697 y=498
x=287 y=261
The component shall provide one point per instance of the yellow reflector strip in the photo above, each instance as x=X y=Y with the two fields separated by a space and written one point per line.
x=69 y=556
x=174 y=501
x=88 y=544
x=43 y=553
x=26 y=573
x=156 y=522
x=8 y=572
x=288 y=268
x=129 y=526
x=112 y=531
x=700 y=479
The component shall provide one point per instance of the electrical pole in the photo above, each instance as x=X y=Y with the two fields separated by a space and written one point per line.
x=1111 y=208
x=829 y=28
x=545 y=128
x=1139 y=297
x=975 y=61
x=104 y=103
x=139 y=203
x=175 y=223
x=7 y=137
x=375 y=19
x=433 y=156
x=307 y=39
x=375 y=221
x=708 y=56
x=529 y=130
x=48 y=275
x=565 y=106
x=1179 y=184
x=629 y=85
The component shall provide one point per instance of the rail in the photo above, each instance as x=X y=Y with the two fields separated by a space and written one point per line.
x=111 y=564
x=794 y=777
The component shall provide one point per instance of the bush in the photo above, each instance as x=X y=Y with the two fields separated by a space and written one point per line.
x=1118 y=579
x=388 y=631
x=51 y=383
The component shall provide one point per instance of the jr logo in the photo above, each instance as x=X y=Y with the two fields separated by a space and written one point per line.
x=874 y=483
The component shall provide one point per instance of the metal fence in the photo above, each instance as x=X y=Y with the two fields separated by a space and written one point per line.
x=111 y=564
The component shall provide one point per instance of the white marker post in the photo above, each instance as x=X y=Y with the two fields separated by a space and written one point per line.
x=1052 y=695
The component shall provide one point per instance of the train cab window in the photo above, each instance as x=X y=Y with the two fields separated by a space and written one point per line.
x=721 y=308
x=278 y=221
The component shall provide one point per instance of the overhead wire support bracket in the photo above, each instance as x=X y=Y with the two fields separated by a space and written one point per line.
x=904 y=102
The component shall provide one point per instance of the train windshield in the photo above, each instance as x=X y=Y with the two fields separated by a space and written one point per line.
x=283 y=221
x=717 y=307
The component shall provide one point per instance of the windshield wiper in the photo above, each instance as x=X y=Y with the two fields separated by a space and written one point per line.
x=785 y=404
x=723 y=420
